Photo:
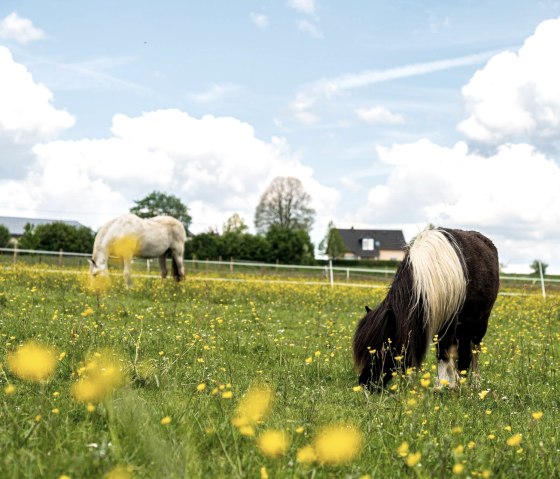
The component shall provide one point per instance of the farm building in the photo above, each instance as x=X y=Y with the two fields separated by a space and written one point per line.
x=373 y=244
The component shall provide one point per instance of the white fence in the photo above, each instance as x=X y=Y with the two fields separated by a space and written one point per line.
x=328 y=273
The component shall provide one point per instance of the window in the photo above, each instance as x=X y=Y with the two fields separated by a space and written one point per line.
x=367 y=244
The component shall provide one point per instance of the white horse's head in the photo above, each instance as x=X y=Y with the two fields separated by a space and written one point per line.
x=96 y=269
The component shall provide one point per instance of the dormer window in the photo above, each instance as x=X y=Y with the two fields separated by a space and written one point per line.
x=368 y=244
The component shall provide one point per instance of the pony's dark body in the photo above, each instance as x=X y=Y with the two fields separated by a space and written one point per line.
x=397 y=328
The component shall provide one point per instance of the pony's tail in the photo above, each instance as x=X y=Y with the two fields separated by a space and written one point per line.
x=438 y=276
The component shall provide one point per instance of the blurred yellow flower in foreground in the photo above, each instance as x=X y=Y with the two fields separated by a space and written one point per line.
x=514 y=440
x=100 y=376
x=165 y=420
x=306 y=455
x=413 y=459
x=403 y=449
x=338 y=444
x=537 y=415
x=33 y=362
x=273 y=443
x=124 y=247
x=253 y=407
x=120 y=472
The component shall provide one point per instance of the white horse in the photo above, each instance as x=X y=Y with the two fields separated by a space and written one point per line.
x=129 y=236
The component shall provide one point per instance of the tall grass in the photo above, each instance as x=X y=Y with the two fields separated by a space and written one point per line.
x=191 y=351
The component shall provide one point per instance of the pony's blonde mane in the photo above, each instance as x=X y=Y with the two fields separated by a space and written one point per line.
x=438 y=277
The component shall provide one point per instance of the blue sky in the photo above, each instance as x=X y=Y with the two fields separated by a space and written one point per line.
x=393 y=114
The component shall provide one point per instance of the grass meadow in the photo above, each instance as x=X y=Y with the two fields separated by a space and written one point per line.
x=252 y=379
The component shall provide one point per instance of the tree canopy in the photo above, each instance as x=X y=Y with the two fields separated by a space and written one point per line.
x=332 y=244
x=158 y=203
x=4 y=236
x=57 y=236
x=284 y=203
x=235 y=224
x=538 y=265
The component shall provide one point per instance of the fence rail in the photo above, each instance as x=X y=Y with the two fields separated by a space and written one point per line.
x=327 y=273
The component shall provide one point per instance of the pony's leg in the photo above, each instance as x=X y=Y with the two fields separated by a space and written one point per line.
x=127 y=279
x=446 y=355
x=163 y=265
x=475 y=370
x=178 y=265
x=470 y=335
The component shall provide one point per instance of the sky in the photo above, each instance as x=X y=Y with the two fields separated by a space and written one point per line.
x=392 y=114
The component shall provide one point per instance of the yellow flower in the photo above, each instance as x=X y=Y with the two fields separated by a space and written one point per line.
x=55 y=411
x=306 y=455
x=403 y=449
x=338 y=444
x=253 y=407
x=64 y=476
x=33 y=362
x=90 y=407
x=165 y=420
x=124 y=247
x=309 y=360
x=537 y=415
x=87 y=312
x=300 y=429
x=98 y=378
x=482 y=394
x=413 y=459
x=264 y=473
x=514 y=440
x=486 y=473
x=120 y=472
x=458 y=449
x=227 y=395
x=357 y=388
x=9 y=389
x=273 y=443
x=458 y=468
x=425 y=383
x=201 y=387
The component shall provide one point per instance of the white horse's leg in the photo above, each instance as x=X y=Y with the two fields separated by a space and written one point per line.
x=127 y=268
x=163 y=265
x=178 y=265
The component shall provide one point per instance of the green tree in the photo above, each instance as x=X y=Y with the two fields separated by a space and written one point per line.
x=284 y=203
x=205 y=246
x=535 y=267
x=290 y=246
x=57 y=236
x=4 y=236
x=235 y=224
x=158 y=203
x=332 y=244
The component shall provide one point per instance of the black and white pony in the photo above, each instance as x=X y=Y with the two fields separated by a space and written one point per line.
x=445 y=286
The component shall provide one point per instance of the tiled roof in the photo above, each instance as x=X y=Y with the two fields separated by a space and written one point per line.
x=383 y=240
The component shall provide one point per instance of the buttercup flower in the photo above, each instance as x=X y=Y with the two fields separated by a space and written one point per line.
x=33 y=362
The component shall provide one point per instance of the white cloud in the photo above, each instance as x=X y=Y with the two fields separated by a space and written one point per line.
x=512 y=194
x=259 y=19
x=303 y=6
x=26 y=109
x=216 y=92
x=14 y=27
x=516 y=96
x=215 y=164
x=326 y=88
x=379 y=115
x=310 y=28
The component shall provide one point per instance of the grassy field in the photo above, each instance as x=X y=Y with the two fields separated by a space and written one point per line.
x=179 y=359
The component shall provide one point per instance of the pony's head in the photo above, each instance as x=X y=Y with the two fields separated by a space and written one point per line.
x=374 y=346
x=95 y=268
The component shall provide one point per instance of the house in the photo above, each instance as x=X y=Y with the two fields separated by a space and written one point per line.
x=16 y=225
x=373 y=244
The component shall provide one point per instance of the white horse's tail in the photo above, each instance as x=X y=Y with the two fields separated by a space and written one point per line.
x=439 y=277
